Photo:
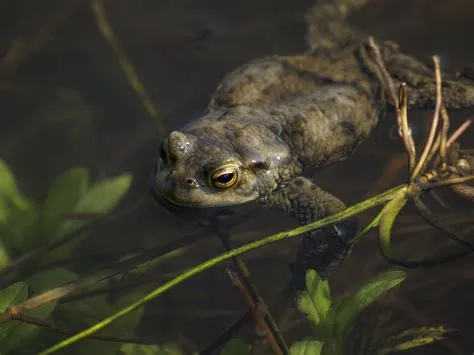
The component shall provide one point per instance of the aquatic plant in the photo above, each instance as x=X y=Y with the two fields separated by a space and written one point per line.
x=34 y=237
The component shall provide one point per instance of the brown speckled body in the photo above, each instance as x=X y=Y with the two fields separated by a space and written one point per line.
x=277 y=116
x=274 y=117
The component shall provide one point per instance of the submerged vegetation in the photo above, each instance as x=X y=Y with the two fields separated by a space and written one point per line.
x=41 y=296
x=36 y=237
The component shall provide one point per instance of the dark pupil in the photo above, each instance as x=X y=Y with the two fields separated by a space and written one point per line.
x=225 y=178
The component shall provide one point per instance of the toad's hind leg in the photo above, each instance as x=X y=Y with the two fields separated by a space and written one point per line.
x=457 y=92
x=322 y=250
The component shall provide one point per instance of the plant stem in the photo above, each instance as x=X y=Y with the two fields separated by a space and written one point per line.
x=459 y=131
x=258 y=313
x=444 y=135
x=103 y=24
x=434 y=125
x=57 y=329
x=402 y=112
x=257 y=299
x=450 y=181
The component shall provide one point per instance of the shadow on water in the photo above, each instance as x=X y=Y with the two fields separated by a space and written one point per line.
x=67 y=103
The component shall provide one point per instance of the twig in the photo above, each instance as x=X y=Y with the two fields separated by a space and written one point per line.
x=460 y=131
x=434 y=124
x=273 y=334
x=400 y=105
x=385 y=74
x=257 y=311
x=444 y=135
x=402 y=112
x=450 y=181
x=55 y=328
x=100 y=14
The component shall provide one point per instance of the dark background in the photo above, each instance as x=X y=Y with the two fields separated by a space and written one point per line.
x=64 y=101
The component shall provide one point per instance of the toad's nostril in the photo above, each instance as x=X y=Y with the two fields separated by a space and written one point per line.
x=191 y=182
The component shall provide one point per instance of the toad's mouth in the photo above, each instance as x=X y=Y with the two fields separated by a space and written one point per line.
x=168 y=199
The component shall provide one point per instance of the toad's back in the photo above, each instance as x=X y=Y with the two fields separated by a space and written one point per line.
x=321 y=107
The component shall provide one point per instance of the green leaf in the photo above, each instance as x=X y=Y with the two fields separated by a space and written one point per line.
x=316 y=300
x=307 y=347
x=235 y=347
x=13 y=294
x=4 y=257
x=325 y=330
x=14 y=213
x=306 y=306
x=350 y=308
x=320 y=293
x=101 y=198
x=20 y=232
x=372 y=224
x=9 y=193
x=63 y=196
x=388 y=215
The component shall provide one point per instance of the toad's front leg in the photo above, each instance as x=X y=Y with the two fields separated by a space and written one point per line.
x=322 y=250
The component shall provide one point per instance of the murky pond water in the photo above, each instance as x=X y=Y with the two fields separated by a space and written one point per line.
x=64 y=101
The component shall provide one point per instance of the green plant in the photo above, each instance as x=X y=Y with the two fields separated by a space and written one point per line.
x=334 y=320
x=40 y=234
x=26 y=226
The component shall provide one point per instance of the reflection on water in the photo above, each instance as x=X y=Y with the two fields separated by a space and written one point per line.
x=65 y=102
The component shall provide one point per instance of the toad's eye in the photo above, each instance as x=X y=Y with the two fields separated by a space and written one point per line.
x=224 y=178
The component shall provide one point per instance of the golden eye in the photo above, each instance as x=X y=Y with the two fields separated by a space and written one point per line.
x=224 y=178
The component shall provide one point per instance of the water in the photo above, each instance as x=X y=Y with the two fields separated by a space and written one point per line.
x=67 y=103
